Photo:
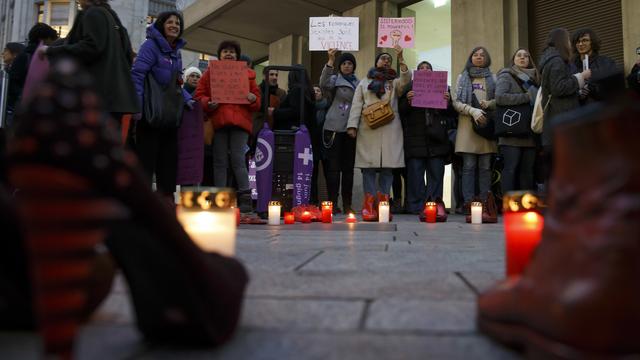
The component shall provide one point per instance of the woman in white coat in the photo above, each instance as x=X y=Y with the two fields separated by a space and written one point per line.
x=378 y=150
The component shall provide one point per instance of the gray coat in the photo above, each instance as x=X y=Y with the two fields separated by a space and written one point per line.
x=563 y=87
x=381 y=147
x=509 y=92
x=342 y=92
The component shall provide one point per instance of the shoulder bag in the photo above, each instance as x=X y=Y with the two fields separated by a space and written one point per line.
x=162 y=106
x=380 y=113
x=537 y=118
x=514 y=120
x=486 y=130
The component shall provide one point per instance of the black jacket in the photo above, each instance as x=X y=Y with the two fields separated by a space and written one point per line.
x=601 y=67
x=288 y=114
x=425 y=130
x=100 y=42
x=633 y=80
x=18 y=75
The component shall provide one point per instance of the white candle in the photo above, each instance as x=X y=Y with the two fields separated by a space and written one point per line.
x=274 y=213
x=585 y=63
x=476 y=213
x=211 y=231
x=383 y=212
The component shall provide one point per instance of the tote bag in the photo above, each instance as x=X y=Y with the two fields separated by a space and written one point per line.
x=537 y=118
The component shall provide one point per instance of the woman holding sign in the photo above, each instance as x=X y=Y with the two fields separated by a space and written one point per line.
x=378 y=147
x=339 y=81
x=232 y=123
x=474 y=96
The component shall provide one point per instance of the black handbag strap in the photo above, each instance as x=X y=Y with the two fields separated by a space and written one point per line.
x=519 y=82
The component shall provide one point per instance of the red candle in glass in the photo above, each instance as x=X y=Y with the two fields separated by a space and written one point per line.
x=305 y=217
x=289 y=218
x=327 y=212
x=523 y=230
x=430 y=211
x=351 y=218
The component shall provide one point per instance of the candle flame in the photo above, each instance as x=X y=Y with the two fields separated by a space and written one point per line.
x=531 y=217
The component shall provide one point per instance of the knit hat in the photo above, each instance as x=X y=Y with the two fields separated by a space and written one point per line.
x=14 y=47
x=190 y=71
x=347 y=57
x=379 y=55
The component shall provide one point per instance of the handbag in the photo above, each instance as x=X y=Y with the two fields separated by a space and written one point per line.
x=486 y=130
x=380 y=113
x=513 y=120
x=537 y=117
x=162 y=105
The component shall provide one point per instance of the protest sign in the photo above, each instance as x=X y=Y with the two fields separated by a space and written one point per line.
x=228 y=81
x=396 y=31
x=429 y=88
x=333 y=32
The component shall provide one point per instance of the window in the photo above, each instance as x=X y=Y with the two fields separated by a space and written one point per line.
x=40 y=12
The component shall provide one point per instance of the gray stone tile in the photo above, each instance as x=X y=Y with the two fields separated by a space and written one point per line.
x=107 y=342
x=421 y=315
x=115 y=309
x=277 y=260
x=301 y=314
x=21 y=345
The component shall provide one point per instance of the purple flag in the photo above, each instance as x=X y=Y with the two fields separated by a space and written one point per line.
x=191 y=147
x=264 y=166
x=37 y=73
x=302 y=167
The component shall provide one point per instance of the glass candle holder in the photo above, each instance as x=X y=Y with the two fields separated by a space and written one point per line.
x=327 y=212
x=274 y=212
x=476 y=212
x=523 y=226
x=289 y=218
x=305 y=217
x=351 y=218
x=383 y=212
x=207 y=216
x=430 y=211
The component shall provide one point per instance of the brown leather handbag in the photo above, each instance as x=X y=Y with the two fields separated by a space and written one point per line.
x=379 y=113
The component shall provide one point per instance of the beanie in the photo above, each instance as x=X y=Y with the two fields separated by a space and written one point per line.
x=378 y=57
x=347 y=57
x=190 y=71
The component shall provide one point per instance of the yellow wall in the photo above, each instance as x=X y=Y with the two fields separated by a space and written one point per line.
x=630 y=32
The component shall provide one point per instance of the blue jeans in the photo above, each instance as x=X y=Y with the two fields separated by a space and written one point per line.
x=469 y=164
x=417 y=191
x=384 y=182
x=229 y=143
x=518 y=163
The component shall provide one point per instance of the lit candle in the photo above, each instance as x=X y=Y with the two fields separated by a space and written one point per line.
x=351 y=218
x=430 y=211
x=274 y=212
x=476 y=212
x=206 y=215
x=523 y=229
x=383 y=212
x=327 y=212
x=289 y=218
x=305 y=217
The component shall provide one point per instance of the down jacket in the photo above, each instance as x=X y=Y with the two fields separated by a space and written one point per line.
x=225 y=115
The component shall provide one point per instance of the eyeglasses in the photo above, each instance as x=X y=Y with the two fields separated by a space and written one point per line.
x=583 y=41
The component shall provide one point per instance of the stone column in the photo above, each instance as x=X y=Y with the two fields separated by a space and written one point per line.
x=630 y=32
x=291 y=49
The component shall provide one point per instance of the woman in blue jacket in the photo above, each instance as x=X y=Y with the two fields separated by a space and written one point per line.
x=159 y=56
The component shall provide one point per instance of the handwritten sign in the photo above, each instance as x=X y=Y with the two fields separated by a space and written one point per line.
x=396 y=31
x=334 y=32
x=229 y=82
x=429 y=88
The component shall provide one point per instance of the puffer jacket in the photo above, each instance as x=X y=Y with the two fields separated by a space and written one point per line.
x=238 y=115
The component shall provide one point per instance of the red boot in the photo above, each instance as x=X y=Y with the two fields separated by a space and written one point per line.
x=369 y=210
x=489 y=210
x=441 y=212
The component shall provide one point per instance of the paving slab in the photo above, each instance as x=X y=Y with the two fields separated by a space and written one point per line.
x=420 y=315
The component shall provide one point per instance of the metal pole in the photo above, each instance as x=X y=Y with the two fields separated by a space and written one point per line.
x=4 y=86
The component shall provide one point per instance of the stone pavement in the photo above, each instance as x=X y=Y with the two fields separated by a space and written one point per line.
x=405 y=293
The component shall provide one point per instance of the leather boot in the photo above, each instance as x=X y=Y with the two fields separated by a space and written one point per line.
x=489 y=210
x=369 y=210
x=387 y=198
x=441 y=213
x=579 y=298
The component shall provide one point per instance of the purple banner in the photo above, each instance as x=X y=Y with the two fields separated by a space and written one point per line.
x=429 y=88
x=37 y=73
x=264 y=155
x=191 y=147
x=252 y=179
x=302 y=167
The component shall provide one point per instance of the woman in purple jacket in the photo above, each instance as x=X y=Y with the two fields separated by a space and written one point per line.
x=159 y=56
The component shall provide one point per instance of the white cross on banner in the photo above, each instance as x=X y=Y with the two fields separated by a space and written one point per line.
x=306 y=156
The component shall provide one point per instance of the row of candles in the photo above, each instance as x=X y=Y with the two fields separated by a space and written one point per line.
x=210 y=219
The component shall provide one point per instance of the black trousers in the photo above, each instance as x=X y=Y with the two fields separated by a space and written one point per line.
x=341 y=157
x=157 y=150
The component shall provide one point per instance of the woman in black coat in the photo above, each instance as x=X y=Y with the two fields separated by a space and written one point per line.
x=100 y=42
x=426 y=147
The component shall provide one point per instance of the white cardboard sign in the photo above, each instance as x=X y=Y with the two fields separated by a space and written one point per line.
x=334 y=32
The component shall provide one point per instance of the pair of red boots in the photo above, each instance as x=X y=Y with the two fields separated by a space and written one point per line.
x=370 y=206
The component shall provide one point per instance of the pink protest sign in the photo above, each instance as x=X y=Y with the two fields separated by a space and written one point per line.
x=429 y=88
x=229 y=82
x=396 y=31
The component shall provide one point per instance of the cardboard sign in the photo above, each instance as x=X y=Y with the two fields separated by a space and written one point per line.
x=334 y=32
x=229 y=82
x=396 y=31
x=429 y=88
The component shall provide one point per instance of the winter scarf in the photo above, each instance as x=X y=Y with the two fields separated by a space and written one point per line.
x=526 y=75
x=352 y=79
x=379 y=77
x=464 y=92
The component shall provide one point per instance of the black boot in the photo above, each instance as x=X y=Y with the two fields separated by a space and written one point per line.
x=244 y=201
